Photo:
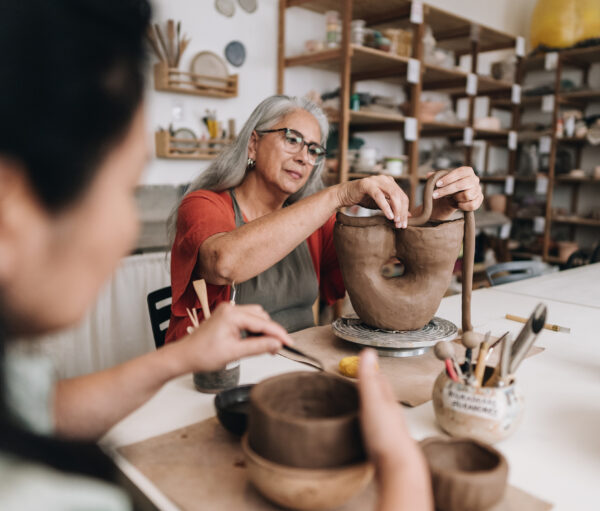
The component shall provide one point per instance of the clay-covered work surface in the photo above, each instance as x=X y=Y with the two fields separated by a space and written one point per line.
x=412 y=378
x=202 y=467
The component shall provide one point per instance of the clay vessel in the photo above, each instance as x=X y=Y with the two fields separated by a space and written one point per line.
x=306 y=488
x=306 y=420
x=489 y=414
x=466 y=474
x=427 y=249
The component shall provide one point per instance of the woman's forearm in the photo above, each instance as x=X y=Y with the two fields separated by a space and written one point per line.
x=249 y=250
x=86 y=407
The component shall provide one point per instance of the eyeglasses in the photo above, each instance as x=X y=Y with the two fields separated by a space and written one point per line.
x=294 y=143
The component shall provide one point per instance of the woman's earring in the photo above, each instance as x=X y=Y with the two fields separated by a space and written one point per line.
x=250 y=163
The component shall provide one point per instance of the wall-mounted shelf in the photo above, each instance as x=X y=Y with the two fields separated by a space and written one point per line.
x=170 y=79
x=173 y=148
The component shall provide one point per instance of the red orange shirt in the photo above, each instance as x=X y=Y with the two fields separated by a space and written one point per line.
x=204 y=213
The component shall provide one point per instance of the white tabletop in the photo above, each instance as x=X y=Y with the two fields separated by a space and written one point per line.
x=580 y=286
x=555 y=452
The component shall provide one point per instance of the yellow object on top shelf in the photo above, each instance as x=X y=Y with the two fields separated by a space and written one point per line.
x=564 y=23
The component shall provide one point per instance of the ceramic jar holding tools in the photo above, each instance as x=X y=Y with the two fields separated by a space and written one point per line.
x=489 y=414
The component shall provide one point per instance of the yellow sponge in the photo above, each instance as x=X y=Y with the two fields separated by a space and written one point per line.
x=349 y=367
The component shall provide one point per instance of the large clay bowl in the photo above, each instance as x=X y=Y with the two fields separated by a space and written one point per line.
x=306 y=420
x=466 y=474
x=303 y=488
x=407 y=302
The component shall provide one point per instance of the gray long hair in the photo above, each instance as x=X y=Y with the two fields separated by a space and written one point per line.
x=229 y=168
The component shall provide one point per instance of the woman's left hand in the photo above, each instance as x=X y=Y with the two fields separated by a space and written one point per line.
x=459 y=189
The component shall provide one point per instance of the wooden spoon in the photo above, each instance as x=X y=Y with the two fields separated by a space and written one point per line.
x=200 y=288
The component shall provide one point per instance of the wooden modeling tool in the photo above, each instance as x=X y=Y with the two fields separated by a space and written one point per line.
x=200 y=288
x=232 y=293
x=480 y=368
x=444 y=351
x=495 y=344
x=500 y=373
x=470 y=340
x=547 y=326
x=527 y=337
x=315 y=362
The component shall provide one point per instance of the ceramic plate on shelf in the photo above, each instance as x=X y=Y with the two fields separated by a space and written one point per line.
x=235 y=53
x=225 y=7
x=186 y=140
x=248 y=5
x=208 y=64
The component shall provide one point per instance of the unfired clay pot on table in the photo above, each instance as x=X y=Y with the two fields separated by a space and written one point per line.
x=306 y=420
x=466 y=474
x=427 y=249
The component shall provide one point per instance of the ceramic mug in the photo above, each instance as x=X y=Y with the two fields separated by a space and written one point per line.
x=394 y=166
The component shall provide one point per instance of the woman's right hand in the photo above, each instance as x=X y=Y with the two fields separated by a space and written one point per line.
x=376 y=192
x=218 y=340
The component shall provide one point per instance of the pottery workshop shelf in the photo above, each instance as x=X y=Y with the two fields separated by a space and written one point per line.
x=364 y=120
x=169 y=79
x=170 y=147
x=574 y=57
x=590 y=222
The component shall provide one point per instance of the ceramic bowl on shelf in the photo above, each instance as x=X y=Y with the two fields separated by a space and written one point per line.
x=305 y=488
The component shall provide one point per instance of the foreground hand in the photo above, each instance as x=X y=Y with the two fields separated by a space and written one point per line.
x=218 y=340
x=460 y=189
x=377 y=192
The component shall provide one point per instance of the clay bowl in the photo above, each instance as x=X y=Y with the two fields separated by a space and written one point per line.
x=466 y=474
x=304 y=488
x=232 y=406
x=306 y=420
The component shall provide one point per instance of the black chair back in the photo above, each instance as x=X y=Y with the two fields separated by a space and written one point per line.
x=159 y=307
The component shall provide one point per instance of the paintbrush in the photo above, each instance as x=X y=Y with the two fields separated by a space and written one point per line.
x=162 y=43
x=547 y=326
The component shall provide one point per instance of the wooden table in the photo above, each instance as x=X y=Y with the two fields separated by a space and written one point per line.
x=555 y=453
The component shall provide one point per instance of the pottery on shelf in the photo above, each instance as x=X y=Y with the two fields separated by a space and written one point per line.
x=304 y=488
x=428 y=251
x=306 y=420
x=466 y=474
x=489 y=414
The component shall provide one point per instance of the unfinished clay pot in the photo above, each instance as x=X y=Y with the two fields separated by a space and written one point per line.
x=466 y=475
x=306 y=488
x=306 y=420
x=428 y=251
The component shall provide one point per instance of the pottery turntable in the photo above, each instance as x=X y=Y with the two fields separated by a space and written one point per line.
x=395 y=343
x=396 y=312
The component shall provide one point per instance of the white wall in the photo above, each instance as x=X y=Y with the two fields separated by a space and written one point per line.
x=210 y=30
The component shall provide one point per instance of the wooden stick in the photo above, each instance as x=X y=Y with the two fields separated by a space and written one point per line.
x=152 y=40
x=479 y=370
x=200 y=288
x=171 y=40
x=162 y=43
x=192 y=318
x=547 y=326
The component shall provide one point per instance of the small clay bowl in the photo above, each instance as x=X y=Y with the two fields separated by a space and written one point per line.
x=305 y=488
x=306 y=420
x=466 y=474
x=232 y=408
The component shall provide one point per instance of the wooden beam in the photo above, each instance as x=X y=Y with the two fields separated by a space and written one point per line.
x=281 y=47
x=346 y=55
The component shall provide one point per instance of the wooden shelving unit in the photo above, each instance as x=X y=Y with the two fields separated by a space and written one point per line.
x=173 y=148
x=356 y=63
x=168 y=79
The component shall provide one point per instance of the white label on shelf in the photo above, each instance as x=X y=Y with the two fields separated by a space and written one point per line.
x=505 y=231
x=541 y=185
x=539 y=223
x=410 y=128
x=548 y=103
x=545 y=144
x=475 y=32
x=509 y=185
x=416 y=12
x=468 y=136
x=471 y=84
x=515 y=97
x=512 y=140
x=551 y=61
x=413 y=73
x=520 y=46
x=570 y=126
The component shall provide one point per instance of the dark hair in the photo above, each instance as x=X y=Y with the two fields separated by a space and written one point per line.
x=71 y=79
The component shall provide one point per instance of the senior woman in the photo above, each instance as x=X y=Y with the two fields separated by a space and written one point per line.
x=259 y=217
